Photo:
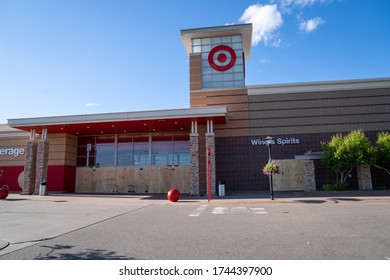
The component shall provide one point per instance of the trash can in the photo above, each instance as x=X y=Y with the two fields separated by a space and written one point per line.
x=43 y=188
x=221 y=188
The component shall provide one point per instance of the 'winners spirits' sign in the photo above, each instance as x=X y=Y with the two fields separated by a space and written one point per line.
x=278 y=141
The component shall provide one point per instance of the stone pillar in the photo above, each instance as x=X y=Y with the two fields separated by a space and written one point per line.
x=42 y=163
x=364 y=177
x=30 y=168
x=309 y=176
x=210 y=143
x=194 y=164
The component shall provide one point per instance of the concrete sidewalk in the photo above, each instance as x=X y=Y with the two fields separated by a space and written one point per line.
x=28 y=220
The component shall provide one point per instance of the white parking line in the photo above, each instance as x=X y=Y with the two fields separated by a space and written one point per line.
x=198 y=211
x=219 y=210
x=229 y=210
x=238 y=210
x=258 y=211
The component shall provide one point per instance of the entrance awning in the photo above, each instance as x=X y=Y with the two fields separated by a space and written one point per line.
x=124 y=122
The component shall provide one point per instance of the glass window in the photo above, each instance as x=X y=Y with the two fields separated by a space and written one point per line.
x=237 y=46
x=196 y=49
x=206 y=41
x=207 y=71
x=239 y=62
x=237 y=68
x=228 y=84
x=228 y=77
x=239 y=83
x=207 y=85
x=216 y=40
x=86 y=151
x=125 y=150
x=236 y=38
x=238 y=76
x=105 y=151
x=181 y=149
x=206 y=48
x=226 y=39
x=218 y=85
x=217 y=77
x=162 y=149
x=212 y=78
x=207 y=78
x=141 y=150
x=205 y=57
x=196 y=42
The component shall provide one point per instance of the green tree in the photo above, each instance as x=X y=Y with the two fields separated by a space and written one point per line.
x=343 y=153
x=383 y=151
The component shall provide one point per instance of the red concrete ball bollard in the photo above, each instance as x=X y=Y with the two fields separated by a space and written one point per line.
x=4 y=192
x=173 y=195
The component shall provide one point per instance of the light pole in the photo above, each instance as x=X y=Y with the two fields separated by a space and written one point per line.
x=269 y=141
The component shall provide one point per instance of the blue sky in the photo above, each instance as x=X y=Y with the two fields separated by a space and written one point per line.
x=69 y=57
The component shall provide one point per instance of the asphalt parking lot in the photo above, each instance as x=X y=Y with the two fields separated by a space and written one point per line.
x=293 y=226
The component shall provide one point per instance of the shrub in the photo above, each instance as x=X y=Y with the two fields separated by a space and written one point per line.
x=336 y=187
x=383 y=151
x=343 y=153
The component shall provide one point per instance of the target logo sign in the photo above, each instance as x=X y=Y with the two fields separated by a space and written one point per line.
x=222 y=58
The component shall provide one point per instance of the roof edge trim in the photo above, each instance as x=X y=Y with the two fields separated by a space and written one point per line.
x=123 y=116
x=319 y=86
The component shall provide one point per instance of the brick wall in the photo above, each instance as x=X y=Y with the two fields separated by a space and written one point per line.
x=239 y=163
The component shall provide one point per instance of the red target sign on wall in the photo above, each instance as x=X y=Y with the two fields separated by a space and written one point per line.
x=222 y=58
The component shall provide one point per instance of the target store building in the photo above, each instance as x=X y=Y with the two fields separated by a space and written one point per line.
x=220 y=137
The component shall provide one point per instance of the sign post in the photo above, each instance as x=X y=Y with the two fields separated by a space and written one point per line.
x=209 y=174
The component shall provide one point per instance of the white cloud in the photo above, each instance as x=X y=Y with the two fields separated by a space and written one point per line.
x=311 y=24
x=288 y=6
x=265 y=61
x=300 y=3
x=266 y=19
x=92 y=104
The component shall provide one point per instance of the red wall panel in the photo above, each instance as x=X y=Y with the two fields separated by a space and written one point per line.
x=10 y=177
x=60 y=178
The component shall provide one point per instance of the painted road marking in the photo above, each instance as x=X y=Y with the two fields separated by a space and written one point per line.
x=198 y=211
x=219 y=210
x=229 y=210
x=238 y=210
x=258 y=211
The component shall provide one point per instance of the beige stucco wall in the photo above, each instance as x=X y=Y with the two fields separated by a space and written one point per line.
x=12 y=141
x=62 y=149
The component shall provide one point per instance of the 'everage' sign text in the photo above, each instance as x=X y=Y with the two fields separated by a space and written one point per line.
x=11 y=151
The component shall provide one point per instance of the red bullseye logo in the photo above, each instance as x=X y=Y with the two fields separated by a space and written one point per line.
x=222 y=58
